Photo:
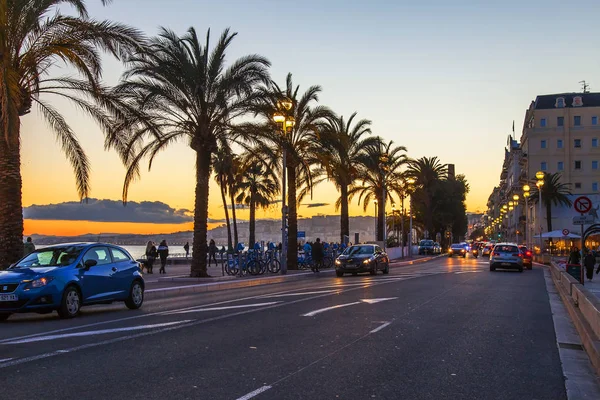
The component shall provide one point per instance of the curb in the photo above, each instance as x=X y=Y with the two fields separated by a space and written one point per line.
x=161 y=293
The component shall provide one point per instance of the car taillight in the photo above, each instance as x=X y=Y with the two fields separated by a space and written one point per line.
x=517 y=254
x=528 y=253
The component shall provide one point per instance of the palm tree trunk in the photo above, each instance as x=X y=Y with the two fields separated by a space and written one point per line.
x=380 y=217
x=549 y=216
x=235 y=231
x=292 y=250
x=252 y=238
x=222 y=185
x=11 y=210
x=199 y=247
x=345 y=219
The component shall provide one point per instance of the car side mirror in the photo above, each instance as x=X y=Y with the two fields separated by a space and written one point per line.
x=12 y=265
x=89 y=264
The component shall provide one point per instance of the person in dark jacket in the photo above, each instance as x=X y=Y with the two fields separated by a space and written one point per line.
x=318 y=254
x=589 y=261
x=151 y=255
x=186 y=247
x=163 y=253
x=212 y=252
x=574 y=257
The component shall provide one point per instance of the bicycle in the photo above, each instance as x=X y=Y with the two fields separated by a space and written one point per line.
x=305 y=261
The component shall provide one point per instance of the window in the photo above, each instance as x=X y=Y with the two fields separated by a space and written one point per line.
x=543 y=122
x=594 y=186
x=577 y=143
x=594 y=164
x=543 y=166
x=594 y=142
x=577 y=185
x=561 y=166
x=559 y=143
x=594 y=120
x=577 y=120
x=577 y=164
x=100 y=254
x=560 y=121
x=543 y=144
x=118 y=255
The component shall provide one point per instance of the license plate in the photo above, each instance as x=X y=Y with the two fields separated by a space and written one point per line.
x=9 y=297
x=506 y=264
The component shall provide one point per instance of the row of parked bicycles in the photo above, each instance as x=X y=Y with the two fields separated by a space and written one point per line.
x=255 y=262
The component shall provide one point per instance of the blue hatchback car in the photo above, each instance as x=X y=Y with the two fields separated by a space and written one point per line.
x=67 y=276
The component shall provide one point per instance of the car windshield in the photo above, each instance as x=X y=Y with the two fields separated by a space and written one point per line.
x=51 y=257
x=355 y=250
x=457 y=246
x=426 y=243
x=506 y=249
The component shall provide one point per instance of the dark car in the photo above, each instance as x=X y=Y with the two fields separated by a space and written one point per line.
x=457 y=249
x=527 y=257
x=487 y=249
x=67 y=276
x=362 y=258
x=426 y=247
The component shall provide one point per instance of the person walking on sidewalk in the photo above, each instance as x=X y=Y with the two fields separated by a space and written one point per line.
x=28 y=247
x=186 y=247
x=212 y=252
x=574 y=257
x=589 y=261
x=318 y=254
x=151 y=255
x=163 y=253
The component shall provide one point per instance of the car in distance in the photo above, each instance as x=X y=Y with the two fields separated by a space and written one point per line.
x=457 y=249
x=506 y=255
x=437 y=249
x=67 y=276
x=426 y=246
x=527 y=257
x=487 y=250
x=362 y=258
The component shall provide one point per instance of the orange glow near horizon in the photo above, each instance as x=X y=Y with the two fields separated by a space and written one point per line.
x=75 y=228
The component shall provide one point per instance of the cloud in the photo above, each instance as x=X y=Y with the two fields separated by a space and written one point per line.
x=109 y=211
x=314 y=205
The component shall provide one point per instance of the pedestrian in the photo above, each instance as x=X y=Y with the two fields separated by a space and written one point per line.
x=151 y=255
x=28 y=247
x=318 y=254
x=589 y=261
x=186 y=247
x=212 y=252
x=163 y=253
x=574 y=257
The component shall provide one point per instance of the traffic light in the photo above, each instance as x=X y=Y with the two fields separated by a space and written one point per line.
x=499 y=235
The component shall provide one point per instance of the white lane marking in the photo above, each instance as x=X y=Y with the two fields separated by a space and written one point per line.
x=373 y=301
x=467 y=272
x=223 y=308
x=321 y=310
x=380 y=327
x=92 y=333
x=254 y=393
x=268 y=296
x=5 y=359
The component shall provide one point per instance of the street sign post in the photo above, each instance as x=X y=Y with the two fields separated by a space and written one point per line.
x=301 y=234
x=566 y=232
x=582 y=204
x=583 y=220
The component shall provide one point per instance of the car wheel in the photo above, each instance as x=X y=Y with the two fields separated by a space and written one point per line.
x=387 y=269
x=4 y=317
x=136 y=296
x=339 y=274
x=70 y=303
x=520 y=269
x=492 y=268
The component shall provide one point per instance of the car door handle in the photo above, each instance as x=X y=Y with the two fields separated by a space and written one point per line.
x=114 y=271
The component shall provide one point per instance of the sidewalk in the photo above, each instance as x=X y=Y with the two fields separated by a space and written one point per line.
x=592 y=286
x=178 y=282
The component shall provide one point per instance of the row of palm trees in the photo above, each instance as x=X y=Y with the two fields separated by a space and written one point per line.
x=179 y=88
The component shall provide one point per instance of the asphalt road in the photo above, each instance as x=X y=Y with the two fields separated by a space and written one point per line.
x=447 y=329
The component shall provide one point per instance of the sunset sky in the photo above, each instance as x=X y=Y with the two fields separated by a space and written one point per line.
x=442 y=78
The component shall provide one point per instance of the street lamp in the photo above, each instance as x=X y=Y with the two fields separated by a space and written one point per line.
x=287 y=123
x=540 y=175
x=526 y=190
x=516 y=203
x=410 y=182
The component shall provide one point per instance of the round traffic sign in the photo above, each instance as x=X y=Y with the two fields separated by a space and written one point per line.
x=582 y=204
x=565 y=232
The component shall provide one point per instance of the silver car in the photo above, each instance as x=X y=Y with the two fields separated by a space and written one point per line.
x=506 y=255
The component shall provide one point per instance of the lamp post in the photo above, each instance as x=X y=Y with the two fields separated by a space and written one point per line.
x=383 y=160
x=376 y=219
x=410 y=182
x=287 y=123
x=526 y=190
x=402 y=223
x=516 y=202
x=394 y=219
x=540 y=183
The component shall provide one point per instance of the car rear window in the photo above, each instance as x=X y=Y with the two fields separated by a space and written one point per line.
x=506 y=249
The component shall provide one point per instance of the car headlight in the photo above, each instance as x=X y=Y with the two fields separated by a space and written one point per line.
x=338 y=262
x=41 y=282
x=368 y=260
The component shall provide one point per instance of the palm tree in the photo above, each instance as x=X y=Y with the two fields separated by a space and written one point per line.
x=232 y=181
x=343 y=145
x=300 y=142
x=258 y=186
x=222 y=164
x=178 y=89
x=378 y=169
x=553 y=193
x=426 y=172
x=34 y=38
